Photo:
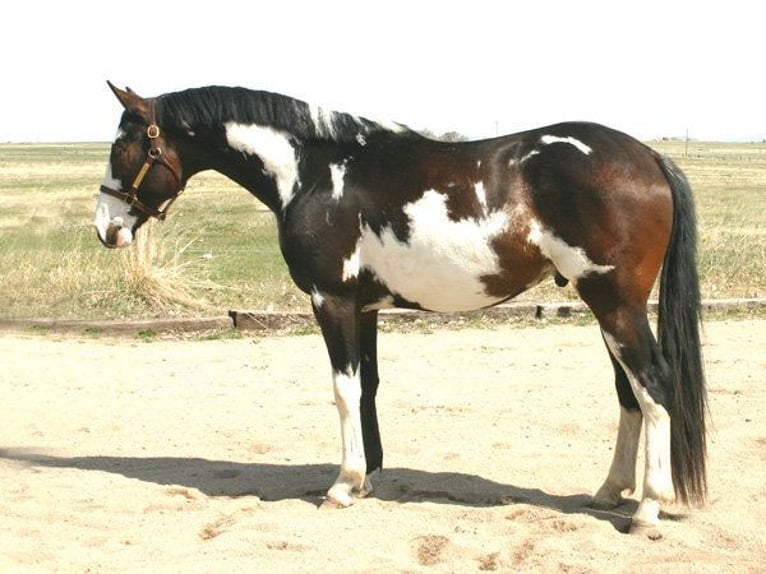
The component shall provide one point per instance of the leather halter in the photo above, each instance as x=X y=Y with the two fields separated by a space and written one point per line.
x=154 y=155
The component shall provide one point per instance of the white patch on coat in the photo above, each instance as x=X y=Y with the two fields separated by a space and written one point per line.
x=337 y=175
x=351 y=265
x=323 y=121
x=273 y=148
x=189 y=130
x=317 y=299
x=111 y=211
x=386 y=302
x=481 y=195
x=572 y=262
x=353 y=469
x=550 y=139
x=531 y=154
x=441 y=265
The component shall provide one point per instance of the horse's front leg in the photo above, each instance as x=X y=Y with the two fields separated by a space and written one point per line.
x=338 y=318
x=368 y=346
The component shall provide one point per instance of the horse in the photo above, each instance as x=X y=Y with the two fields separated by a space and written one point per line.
x=374 y=215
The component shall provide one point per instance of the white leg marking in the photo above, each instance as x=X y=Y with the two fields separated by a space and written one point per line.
x=337 y=173
x=622 y=473
x=658 y=481
x=646 y=516
x=441 y=265
x=572 y=262
x=273 y=148
x=352 y=477
x=550 y=139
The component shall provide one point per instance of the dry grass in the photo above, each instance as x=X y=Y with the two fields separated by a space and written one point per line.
x=52 y=266
x=155 y=270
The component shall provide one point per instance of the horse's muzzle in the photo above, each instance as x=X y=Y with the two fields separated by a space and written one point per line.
x=114 y=236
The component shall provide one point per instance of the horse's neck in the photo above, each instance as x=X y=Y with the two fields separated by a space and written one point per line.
x=272 y=156
x=262 y=160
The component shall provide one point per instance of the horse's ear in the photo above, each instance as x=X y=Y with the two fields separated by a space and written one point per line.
x=130 y=100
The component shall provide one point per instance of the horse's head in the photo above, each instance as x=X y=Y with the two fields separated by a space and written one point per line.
x=143 y=175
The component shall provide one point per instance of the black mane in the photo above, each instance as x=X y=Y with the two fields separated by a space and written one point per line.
x=210 y=107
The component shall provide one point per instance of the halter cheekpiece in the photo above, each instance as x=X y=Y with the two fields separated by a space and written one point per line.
x=153 y=155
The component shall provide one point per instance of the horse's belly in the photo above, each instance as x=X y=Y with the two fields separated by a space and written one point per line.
x=434 y=283
x=442 y=264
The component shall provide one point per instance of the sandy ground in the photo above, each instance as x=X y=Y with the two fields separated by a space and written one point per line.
x=179 y=456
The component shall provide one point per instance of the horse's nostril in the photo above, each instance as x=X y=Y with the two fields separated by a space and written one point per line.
x=112 y=234
x=103 y=240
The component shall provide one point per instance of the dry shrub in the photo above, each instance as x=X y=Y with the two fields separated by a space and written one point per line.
x=154 y=271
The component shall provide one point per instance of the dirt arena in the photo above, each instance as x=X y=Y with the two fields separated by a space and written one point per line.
x=118 y=455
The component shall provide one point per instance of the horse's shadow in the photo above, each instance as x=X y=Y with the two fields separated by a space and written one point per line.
x=308 y=482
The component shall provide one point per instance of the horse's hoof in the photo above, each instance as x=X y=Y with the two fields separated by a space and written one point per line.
x=644 y=530
x=329 y=504
x=333 y=501
x=337 y=497
x=364 y=491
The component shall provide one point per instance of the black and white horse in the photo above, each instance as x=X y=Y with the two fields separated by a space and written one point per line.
x=372 y=216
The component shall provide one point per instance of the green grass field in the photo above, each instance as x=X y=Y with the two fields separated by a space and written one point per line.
x=218 y=250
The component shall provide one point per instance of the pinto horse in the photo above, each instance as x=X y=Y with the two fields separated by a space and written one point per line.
x=373 y=216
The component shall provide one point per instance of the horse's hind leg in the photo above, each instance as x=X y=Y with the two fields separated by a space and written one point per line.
x=631 y=342
x=622 y=473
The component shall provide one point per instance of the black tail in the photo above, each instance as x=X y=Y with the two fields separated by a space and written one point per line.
x=679 y=339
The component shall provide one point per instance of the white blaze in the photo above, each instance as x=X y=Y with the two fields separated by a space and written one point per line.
x=114 y=212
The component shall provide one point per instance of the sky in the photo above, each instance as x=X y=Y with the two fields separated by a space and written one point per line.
x=654 y=68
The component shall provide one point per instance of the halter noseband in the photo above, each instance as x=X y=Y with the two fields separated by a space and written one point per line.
x=154 y=155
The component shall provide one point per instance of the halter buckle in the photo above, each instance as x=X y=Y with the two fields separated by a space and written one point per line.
x=153 y=131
